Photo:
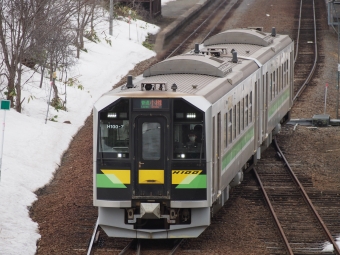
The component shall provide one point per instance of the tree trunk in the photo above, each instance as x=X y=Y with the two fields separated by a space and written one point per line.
x=18 y=90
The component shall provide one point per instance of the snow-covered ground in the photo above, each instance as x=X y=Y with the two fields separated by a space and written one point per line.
x=32 y=149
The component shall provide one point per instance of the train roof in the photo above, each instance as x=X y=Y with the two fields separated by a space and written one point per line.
x=223 y=61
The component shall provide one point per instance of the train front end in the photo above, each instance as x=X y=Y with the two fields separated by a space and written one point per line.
x=150 y=177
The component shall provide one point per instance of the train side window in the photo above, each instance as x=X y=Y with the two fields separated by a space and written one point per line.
x=241 y=114
x=246 y=112
x=284 y=75
x=274 y=84
x=230 y=126
x=271 y=87
x=238 y=114
x=225 y=129
x=234 y=122
x=281 y=76
x=251 y=107
x=287 y=73
x=277 y=82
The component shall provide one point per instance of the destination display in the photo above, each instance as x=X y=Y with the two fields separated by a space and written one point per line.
x=150 y=104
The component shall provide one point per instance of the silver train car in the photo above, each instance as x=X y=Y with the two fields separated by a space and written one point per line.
x=170 y=144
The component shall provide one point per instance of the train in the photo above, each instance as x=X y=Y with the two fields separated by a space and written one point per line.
x=170 y=144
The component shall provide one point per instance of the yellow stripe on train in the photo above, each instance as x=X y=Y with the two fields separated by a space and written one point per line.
x=184 y=176
x=151 y=176
x=121 y=176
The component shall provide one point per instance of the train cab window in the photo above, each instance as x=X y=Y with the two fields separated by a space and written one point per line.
x=113 y=135
x=188 y=131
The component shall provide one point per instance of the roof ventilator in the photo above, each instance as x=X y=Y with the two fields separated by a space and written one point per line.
x=235 y=59
x=273 y=32
x=129 y=84
x=154 y=86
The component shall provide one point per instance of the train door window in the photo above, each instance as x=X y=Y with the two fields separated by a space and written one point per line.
x=251 y=107
x=242 y=114
x=188 y=131
x=234 y=122
x=230 y=126
x=151 y=141
x=246 y=111
x=114 y=130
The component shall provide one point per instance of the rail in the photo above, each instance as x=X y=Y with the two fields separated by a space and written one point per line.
x=315 y=51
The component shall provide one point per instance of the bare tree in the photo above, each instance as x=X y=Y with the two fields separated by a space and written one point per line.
x=29 y=30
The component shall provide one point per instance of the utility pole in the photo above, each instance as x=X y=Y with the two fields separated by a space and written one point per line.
x=4 y=105
x=111 y=17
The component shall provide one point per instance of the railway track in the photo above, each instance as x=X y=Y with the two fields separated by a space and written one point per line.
x=305 y=218
x=208 y=23
x=300 y=225
x=306 y=48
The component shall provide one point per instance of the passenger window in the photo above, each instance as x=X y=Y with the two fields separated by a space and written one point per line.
x=287 y=73
x=234 y=122
x=251 y=107
x=225 y=129
x=230 y=126
x=274 y=84
x=271 y=87
x=238 y=118
x=242 y=113
x=246 y=112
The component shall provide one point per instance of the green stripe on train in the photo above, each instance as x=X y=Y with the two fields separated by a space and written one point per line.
x=103 y=181
x=273 y=108
x=199 y=182
x=237 y=147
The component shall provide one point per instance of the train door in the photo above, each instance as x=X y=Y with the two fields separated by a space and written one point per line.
x=150 y=157
x=256 y=116
x=265 y=103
